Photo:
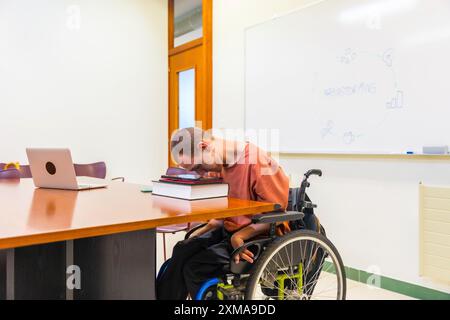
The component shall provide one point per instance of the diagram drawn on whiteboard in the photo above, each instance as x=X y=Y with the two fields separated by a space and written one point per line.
x=363 y=82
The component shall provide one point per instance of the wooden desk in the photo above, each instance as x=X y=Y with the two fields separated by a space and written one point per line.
x=108 y=233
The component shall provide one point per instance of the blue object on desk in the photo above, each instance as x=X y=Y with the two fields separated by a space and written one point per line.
x=147 y=189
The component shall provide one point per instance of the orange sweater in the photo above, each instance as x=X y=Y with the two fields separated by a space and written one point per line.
x=255 y=176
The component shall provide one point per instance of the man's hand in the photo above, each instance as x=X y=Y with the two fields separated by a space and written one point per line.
x=246 y=233
x=247 y=255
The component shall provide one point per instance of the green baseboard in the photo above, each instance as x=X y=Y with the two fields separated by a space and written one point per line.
x=405 y=288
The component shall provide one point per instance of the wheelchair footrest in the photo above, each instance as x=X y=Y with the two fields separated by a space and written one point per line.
x=229 y=292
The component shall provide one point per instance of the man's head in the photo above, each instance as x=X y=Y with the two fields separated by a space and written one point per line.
x=196 y=150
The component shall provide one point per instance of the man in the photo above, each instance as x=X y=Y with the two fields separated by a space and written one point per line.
x=251 y=174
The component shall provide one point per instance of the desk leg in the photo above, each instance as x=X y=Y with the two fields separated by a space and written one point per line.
x=118 y=266
x=35 y=272
x=69 y=262
x=10 y=266
x=3 y=276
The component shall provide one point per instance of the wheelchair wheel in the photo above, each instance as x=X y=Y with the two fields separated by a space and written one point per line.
x=208 y=290
x=302 y=265
x=210 y=294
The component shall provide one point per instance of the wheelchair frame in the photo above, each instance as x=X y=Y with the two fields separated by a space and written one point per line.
x=234 y=290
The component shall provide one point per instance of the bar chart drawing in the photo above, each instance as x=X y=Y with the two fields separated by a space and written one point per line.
x=396 y=102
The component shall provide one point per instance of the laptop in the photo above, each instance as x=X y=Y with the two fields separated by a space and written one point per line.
x=53 y=169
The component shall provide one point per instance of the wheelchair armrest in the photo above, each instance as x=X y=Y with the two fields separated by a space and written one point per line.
x=256 y=247
x=190 y=232
x=277 y=217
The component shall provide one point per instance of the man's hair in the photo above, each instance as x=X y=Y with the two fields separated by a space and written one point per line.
x=184 y=141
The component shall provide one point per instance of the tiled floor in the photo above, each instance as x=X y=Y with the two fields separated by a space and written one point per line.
x=355 y=290
x=361 y=291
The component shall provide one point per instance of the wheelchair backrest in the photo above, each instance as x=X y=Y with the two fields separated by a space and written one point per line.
x=310 y=220
x=294 y=203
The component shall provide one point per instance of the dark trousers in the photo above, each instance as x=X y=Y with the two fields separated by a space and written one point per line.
x=193 y=262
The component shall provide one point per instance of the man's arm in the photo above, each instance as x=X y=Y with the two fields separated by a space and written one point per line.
x=248 y=232
x=211 y=225
x=271 y=185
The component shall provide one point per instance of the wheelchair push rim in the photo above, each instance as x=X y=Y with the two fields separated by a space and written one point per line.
x=302 y=265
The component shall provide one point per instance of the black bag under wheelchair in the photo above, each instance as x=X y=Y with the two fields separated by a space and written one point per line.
x=300 y=265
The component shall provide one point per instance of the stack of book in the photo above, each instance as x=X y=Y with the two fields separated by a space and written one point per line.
x=190 y=187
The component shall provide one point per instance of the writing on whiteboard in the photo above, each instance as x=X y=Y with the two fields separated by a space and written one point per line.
x=350 y=137
x=348 y=56
x=362 y=88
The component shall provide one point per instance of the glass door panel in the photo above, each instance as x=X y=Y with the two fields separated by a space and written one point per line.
x=186 y=98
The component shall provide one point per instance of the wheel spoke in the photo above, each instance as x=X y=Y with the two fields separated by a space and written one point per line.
x=316 y=282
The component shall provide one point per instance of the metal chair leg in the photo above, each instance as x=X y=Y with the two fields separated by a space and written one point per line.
x=164 y=246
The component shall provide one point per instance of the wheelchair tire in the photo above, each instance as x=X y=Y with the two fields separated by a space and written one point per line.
x=299 y=279
x=208 y=290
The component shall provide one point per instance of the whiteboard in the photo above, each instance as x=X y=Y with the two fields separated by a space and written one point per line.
x=352 y=76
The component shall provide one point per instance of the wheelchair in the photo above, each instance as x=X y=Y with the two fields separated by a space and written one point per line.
x=300 y=265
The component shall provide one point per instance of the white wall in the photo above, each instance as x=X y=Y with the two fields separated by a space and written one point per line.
x=88 y=75
x=369 y=207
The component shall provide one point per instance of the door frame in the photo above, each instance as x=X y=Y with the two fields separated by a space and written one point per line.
x=201 y=51
x=190 y=59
